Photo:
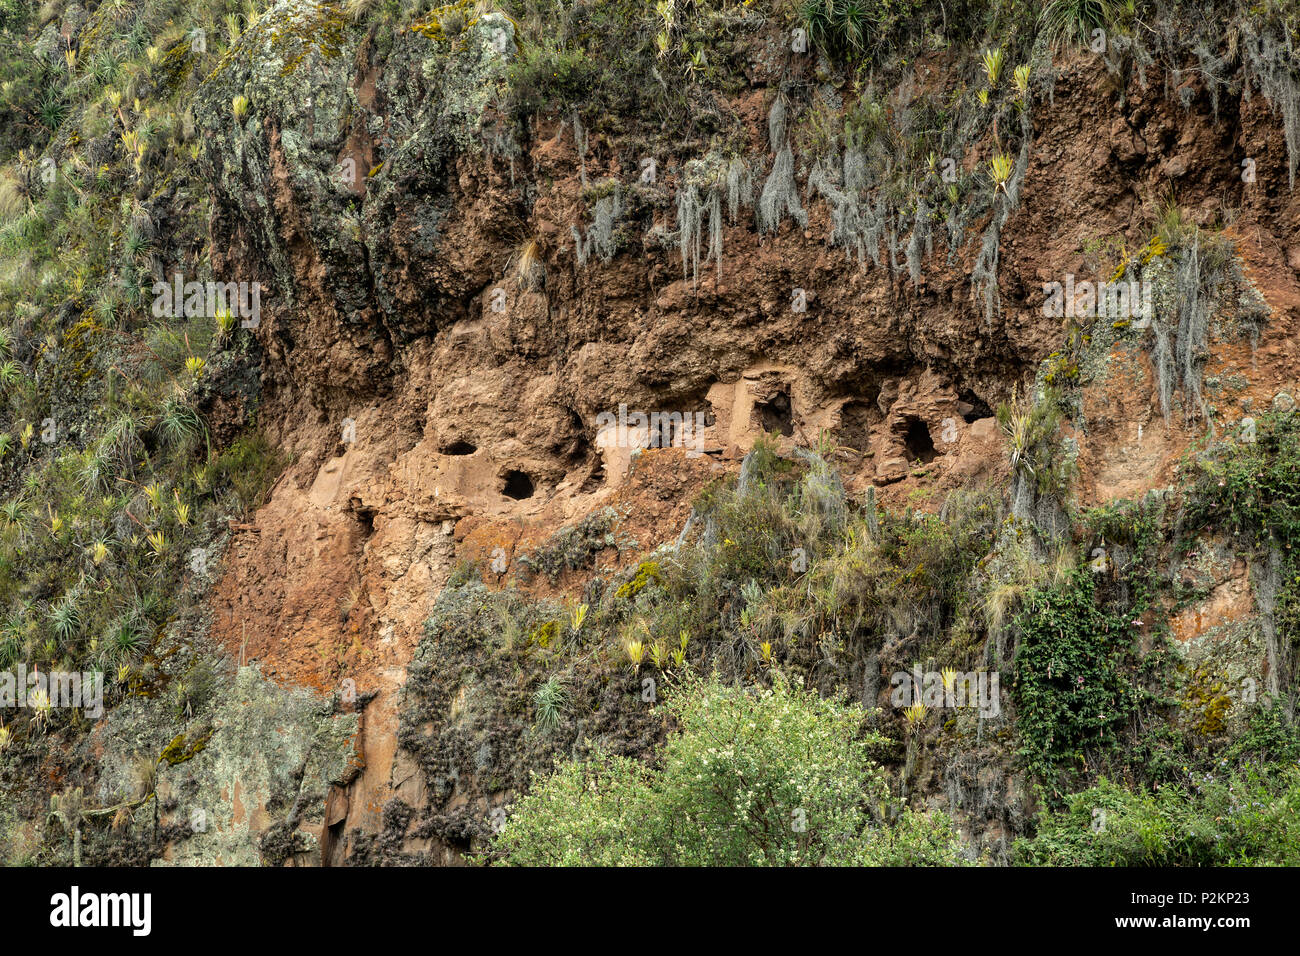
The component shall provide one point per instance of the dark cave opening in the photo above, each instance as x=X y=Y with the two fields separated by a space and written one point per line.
x=856 y=419
x=972 y=407
x=776 y=415
x=917 y=441
x=517 y=485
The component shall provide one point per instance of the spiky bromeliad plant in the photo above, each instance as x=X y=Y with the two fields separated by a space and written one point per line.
x=1074 y=20
x=992 y=60
x=551 y=701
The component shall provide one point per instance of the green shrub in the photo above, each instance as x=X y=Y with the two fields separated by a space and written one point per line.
x=248 y=468
x=1079 y=675
x=1031 y=429
x=1074 y=20
x=12 y=13
x=850 y=28
x=1250 y=489
x=1245 y=819
x=773 y=777
x=544 y=77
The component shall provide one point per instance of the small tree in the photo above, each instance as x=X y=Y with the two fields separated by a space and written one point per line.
x=752 y=777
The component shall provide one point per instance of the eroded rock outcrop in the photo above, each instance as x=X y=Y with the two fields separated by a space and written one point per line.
x=443 y=335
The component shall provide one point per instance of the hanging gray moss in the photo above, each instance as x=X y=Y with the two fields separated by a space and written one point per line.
x=1123 y=53
x=856 y=226
x=1269 y=67
x=688 y=230
x=1185 y=291
x=776 y=124
x=920 y=245
x=715 y=230
x=1193 y=325
x=740 y=188
x=600 y=238
x=984 y=273
x=855 y=170
x=955 y=226
x=1162 y=358
x=691 y=212
x=699 y=208
x=780 y=197
x=1266 y=583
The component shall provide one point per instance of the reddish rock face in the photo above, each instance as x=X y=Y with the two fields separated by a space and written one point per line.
x=474 y=431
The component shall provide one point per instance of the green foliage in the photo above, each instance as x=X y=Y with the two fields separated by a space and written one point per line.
x=594 y=58
x=12 y=13
x=752 y=526
x=1267 y=739
x=1134 y=531
x=96 y=136
x=1073 y=21
x=850 y=28
x=546 y=77
x=776 y=777
x=1031 y=430
x=248 y=468
x=1079 y=677
x=1238 y=819
x=910 y=572
x=551 y=701
x=1250 y=489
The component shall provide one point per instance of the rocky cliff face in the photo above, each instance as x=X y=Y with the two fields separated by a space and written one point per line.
x=468 y=268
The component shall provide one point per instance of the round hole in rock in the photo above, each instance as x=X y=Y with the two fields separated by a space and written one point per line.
x=459 y=448
x=917 y=441
x=518 y=486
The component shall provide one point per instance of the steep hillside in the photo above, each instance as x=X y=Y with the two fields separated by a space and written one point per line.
x=601 y=432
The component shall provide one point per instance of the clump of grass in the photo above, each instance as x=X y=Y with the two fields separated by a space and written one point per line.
x=1020 y=77
x=551 y=703
x=1072 y=21
x=529 y=269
